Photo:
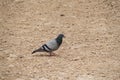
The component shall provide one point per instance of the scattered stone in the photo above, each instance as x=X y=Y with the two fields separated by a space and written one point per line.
x=62 y=15
x=73 y=24
x=97 y=39
x=93 y=52
x=1 y=57
x=38 y=25
x=20 y=56
x=75 y=59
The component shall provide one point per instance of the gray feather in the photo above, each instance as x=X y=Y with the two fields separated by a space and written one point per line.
x=53 y=45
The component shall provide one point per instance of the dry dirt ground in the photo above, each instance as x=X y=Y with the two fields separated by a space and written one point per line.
x=90 y=51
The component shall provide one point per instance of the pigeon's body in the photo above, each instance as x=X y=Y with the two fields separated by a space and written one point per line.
x=51 y=45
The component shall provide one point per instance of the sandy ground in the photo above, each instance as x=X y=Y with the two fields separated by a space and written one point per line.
x=90 y=51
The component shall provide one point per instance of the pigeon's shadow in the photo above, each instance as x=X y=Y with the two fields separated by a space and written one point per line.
x=43 y=55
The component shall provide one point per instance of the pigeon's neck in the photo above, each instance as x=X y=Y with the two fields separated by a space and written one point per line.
x=59 y=40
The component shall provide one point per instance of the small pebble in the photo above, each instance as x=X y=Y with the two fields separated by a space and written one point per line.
x=62 y=15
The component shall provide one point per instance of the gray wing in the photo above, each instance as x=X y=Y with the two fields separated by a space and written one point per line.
x=53 y=45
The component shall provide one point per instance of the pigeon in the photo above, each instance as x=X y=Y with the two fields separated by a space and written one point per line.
x=51 y=45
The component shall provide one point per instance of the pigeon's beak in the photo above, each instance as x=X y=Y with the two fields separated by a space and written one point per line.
x=64 y=36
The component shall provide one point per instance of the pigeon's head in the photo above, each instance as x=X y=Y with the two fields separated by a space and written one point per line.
x=59 y=39
x=61 y=36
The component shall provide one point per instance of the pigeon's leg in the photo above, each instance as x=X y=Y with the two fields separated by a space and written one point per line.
x=52 y=54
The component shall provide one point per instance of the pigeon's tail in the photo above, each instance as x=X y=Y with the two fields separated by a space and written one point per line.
x=37 y=50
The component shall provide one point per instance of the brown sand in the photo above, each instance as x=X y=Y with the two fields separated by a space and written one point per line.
x=90 y=51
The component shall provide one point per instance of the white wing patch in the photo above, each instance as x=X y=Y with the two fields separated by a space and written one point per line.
x=46 y=48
